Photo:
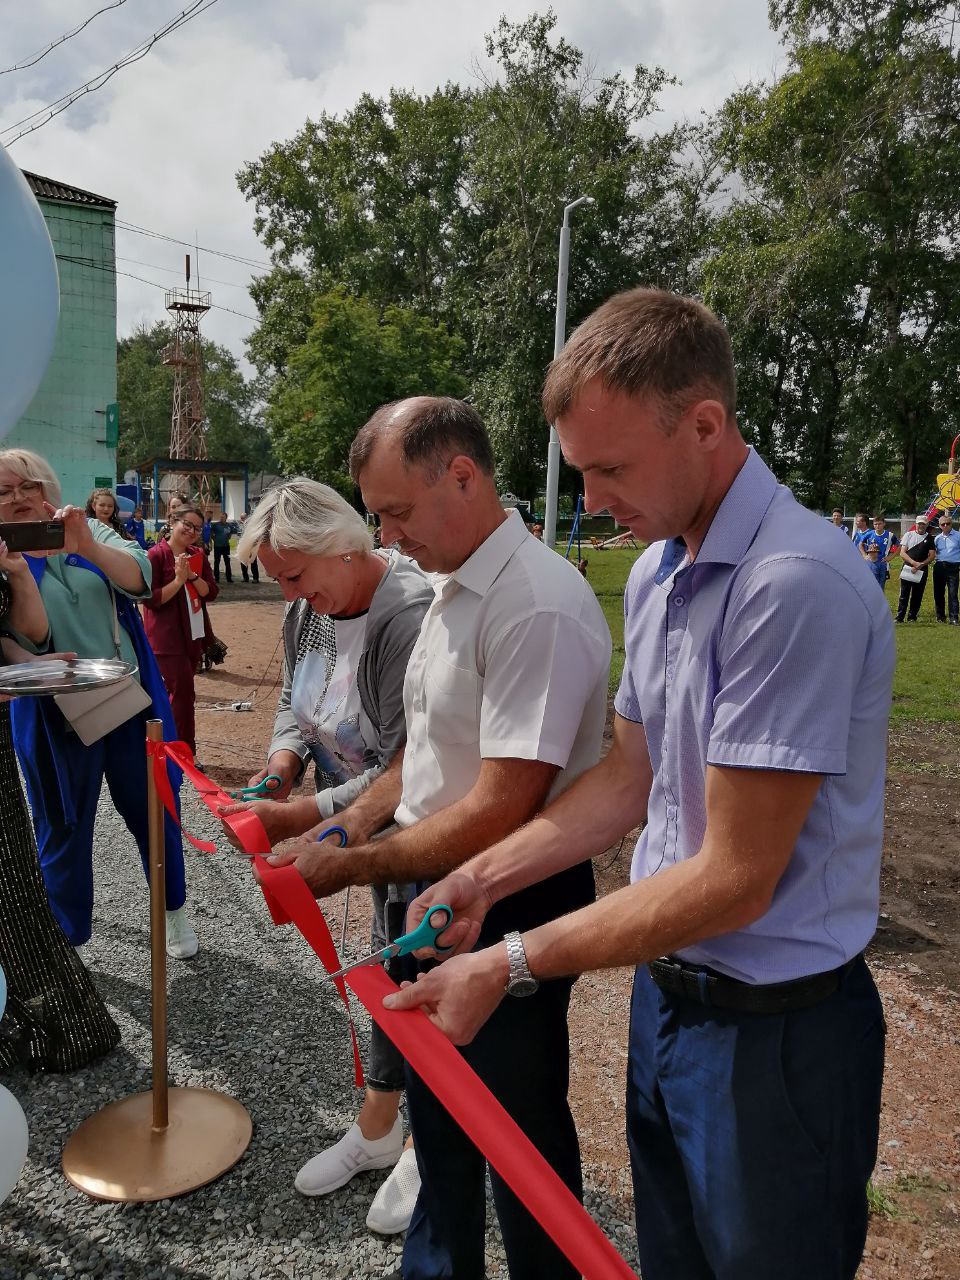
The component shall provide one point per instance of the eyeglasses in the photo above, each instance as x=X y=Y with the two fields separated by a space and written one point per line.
x=25 y=489
x=194 y=528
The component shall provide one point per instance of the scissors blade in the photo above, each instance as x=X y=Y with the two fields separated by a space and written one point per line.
x=377 y=957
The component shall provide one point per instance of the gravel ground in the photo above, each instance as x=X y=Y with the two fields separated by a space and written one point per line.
x=252 y=1017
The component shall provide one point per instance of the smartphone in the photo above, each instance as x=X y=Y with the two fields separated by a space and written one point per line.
x=32 y=535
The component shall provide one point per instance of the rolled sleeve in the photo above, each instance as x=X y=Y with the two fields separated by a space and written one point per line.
x=782 y=703
x=538 y=678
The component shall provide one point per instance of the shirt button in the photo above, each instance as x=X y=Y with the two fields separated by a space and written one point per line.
x=679 y=601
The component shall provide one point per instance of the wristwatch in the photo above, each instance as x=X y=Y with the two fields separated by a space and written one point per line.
x=520 y=981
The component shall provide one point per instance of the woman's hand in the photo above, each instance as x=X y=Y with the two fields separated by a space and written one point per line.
x=77 y=538
x=12 y=563
x=183 y=571
x=287 y=765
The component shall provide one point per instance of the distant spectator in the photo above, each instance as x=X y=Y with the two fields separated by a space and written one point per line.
x=886 y=541
x=254 y=569
x=917 y=551
x=537 y=531
x=946 y=571
x=860 y=528
x=876 y=566
x=206 y=535
x=134 y=528
x=102 y=506
x=837 y=519
x=221 y=531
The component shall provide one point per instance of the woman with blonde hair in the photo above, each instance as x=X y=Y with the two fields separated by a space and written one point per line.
x=88 y=590
x=352 y=620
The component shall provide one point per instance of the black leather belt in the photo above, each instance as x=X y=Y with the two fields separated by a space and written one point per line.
x=707 y=987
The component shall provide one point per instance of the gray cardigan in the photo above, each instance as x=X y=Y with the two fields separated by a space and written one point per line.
x=393 y=624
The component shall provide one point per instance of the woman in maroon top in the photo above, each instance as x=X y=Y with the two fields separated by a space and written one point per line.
x=173 y=616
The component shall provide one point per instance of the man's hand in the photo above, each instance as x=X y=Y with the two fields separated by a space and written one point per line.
x=459 y=996
x=323 y=866
x=463 y=892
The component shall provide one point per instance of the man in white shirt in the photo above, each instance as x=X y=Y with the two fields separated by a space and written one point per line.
x=505 y=700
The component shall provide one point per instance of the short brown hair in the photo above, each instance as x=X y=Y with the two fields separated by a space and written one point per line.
x=642 y=341
x=431 y=432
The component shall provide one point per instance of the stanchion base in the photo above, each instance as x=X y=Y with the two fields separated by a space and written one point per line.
x=118 y=1155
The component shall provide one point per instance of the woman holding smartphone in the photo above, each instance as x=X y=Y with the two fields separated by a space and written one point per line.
x=54 y=1019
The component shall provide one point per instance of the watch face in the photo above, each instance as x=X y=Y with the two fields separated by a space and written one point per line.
x=522 y=986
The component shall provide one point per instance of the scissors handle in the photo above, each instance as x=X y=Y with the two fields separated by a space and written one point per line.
x=334 y=831
x=265 y=787
x=426 y=933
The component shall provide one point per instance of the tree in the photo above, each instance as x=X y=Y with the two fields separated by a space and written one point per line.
x=145 y=395
x=837 y=265
x=353 y=360
x=449 y=205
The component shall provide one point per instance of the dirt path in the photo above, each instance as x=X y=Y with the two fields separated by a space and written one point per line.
x=916 y=957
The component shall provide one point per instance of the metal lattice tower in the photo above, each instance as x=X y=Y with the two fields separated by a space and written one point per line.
x=188 y=429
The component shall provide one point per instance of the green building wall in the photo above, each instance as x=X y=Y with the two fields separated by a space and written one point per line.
x=72 y=419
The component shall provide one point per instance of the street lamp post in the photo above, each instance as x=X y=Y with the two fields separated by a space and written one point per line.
x=559 y=338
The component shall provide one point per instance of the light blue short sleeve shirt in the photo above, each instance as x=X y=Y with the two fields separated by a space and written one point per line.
x=773 y=650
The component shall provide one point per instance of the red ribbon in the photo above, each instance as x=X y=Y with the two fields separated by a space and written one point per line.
x=469 y=1101
x=250 y=832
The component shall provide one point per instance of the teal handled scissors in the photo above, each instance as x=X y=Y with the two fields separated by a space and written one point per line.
x=425 y=935
x=264 y=788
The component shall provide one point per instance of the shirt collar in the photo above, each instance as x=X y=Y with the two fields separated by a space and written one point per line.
x=480 y=571
x=735 y=524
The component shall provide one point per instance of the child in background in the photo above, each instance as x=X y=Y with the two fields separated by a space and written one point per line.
x=876 y=566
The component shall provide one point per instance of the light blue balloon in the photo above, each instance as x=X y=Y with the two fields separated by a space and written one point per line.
x=29 y=294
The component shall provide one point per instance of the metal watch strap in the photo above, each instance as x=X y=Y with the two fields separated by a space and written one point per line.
x=520 y=981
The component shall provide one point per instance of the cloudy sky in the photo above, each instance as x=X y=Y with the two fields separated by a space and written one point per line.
x=166 y=135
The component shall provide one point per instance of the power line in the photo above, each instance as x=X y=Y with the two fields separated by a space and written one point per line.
x=155 y=266
x=156 y=284
x=61 y=104
x=217 y=253
x=55 y=44
x=158 y=235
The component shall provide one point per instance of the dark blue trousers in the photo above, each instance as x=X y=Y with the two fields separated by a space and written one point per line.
x=522 y=1055
x=752 y=1136
x=66 y=847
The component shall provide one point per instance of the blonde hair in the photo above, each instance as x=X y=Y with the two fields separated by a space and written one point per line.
x=30 y=466
x=304 y=515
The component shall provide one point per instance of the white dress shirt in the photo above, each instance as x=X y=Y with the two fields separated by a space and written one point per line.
x=511 y=662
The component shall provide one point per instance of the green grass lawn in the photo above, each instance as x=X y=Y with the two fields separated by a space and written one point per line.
x=927 y=680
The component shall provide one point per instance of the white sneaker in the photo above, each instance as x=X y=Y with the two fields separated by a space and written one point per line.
x=352 y=1154
x=181 y=940
x=392 y=1206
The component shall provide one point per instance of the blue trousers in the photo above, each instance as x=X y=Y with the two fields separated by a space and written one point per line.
x=66 y=848
x=752 y=1136
x=522 y=1055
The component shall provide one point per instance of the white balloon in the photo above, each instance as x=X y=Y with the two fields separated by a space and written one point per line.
x=13 y=1142
x=29 y=294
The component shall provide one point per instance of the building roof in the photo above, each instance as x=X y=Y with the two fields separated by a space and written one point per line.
x=48 y=189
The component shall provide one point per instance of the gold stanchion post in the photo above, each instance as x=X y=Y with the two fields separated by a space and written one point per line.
x=164 y=1143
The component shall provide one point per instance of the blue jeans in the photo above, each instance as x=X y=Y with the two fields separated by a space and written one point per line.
x=66 y=848
x=522 y=1055
x=752 y=1136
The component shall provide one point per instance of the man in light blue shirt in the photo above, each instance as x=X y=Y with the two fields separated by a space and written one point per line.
x=946 y=572
x=749 y=738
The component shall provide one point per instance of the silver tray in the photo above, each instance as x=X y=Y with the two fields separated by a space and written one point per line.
x=62 y=675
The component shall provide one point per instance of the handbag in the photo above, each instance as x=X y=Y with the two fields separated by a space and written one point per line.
x=908 y=574
x=96 y=712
